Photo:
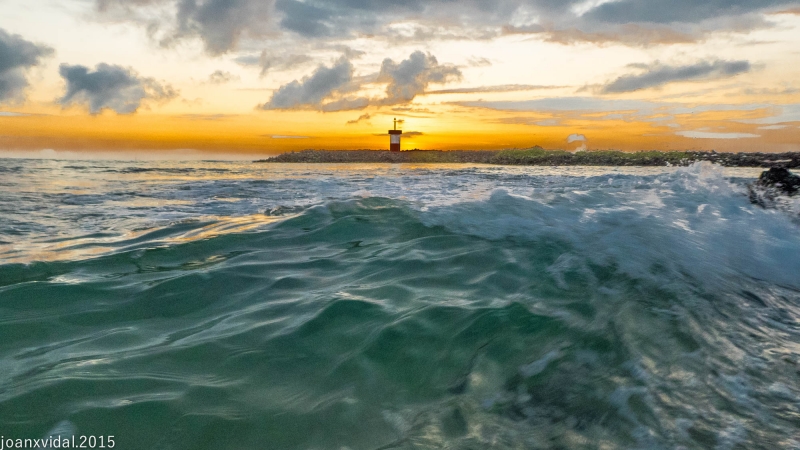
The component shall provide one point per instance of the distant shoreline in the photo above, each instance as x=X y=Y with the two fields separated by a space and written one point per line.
x=538 y=156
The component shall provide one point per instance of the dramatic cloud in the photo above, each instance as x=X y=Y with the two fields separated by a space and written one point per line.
x=325 y=89
x=305 y=18
x=691 y=11
x=412 y=76
x=112 y=87
x=659 y=75
x=222 y=23
x=17 y=56
x=313 y=89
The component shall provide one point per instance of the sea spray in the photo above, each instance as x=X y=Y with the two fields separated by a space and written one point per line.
x=222 y=305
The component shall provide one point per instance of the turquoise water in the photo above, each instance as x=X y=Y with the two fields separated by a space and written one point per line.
x=218 y=305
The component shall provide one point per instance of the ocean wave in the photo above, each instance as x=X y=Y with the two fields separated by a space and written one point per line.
x=642 y=311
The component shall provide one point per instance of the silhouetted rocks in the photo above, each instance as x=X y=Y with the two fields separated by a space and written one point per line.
x=538 y=156
x=781 y=179
x=772 y=184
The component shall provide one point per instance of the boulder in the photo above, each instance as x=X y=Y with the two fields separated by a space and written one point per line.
x=780 y=179
x=772 y=184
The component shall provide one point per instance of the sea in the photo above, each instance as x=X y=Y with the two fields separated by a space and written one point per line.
x=237 y=305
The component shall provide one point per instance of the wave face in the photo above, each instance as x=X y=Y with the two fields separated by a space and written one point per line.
x=227 y=306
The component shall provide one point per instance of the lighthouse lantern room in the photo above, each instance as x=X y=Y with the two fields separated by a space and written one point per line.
x=394 y=138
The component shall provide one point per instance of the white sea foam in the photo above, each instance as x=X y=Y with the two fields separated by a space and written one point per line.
x=692 y=220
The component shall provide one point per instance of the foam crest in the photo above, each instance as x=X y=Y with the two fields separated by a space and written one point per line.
x=693 y=221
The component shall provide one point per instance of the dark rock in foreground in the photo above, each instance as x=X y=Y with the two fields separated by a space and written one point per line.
x=772 y=184
x=780 y=179
x=538 y=156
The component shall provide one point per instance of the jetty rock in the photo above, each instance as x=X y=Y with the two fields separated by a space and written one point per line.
x=780 y=179
x=773 y=183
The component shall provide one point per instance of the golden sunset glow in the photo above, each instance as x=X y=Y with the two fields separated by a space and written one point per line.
x=108 y=76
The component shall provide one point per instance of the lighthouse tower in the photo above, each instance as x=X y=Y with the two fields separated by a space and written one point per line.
x=394 y=138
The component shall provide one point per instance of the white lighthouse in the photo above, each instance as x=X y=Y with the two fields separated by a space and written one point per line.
x=394 y=138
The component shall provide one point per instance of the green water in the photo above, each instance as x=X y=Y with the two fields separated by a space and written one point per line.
x=372 y=322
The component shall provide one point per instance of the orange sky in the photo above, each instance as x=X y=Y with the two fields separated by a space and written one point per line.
x=110 y=76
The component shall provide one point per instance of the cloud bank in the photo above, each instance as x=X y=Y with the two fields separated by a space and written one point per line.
x=221 y=24
x=326 y=88
x=658 y=75
x=412 y=76
x=109 y=86
x=672 y=11
x=313 y=89
x=17 y=56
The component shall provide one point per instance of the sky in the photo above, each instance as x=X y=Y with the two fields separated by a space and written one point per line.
x=253 y=77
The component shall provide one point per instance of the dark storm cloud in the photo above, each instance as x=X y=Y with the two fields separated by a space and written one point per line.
x=17 y=56
x=112 y=87
x=659 y=75
x=412 y=76
x=313 y=89
x=222 y=23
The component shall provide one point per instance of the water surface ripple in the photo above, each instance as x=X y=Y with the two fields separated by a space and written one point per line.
x=219 y=305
